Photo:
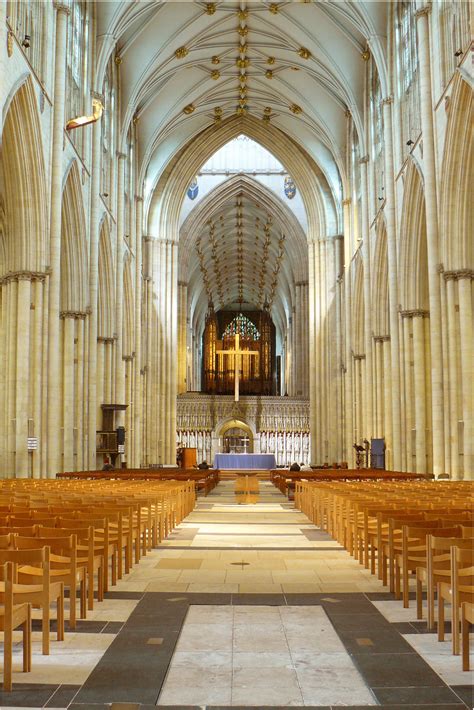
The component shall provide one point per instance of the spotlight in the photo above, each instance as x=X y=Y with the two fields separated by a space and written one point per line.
x=410 y=142
x=26 y=41
x=458 y=53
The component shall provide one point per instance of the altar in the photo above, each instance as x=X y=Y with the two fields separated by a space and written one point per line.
x=245 y=461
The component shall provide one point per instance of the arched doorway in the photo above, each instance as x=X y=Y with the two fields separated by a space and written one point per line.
x=235 y=437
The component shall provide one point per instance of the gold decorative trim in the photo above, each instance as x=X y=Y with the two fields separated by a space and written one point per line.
x=215 y=59
x=304 y=53
x=215 y=75
x=365 y=54
x=294 y=108
x=181 y=52
x=118 y=60
x=210 y=8
x=10 y=43
x=190 y=108
x=273 y=7
x=269 y=74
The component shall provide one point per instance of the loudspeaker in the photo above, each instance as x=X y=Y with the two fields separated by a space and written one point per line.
x=120 y=435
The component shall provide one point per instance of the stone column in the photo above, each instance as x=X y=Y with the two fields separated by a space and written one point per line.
x=419 y=367
x=313 y=400
x=54 y=365
x=467 y=367
x=22 y=375
x=137 y=385
x=338 y=246
x=409 y=403
x=94 y=383
x=39 y=337
x=451 y=393
x=368 y=392
x=119 y=252
x=81 y=392
x=387 y=389
x=68 y=390
x=392 y=284
x=182 y=335
x=432 y=239
x=348 y=384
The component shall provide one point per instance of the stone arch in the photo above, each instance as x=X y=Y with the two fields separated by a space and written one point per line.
x=74 y=272
x=413 y=269
x=358 y=310
x=127 y=347
x=105 y=305
x=456 y=211
x=380 y=299
x=23 y=173
x=168 y=195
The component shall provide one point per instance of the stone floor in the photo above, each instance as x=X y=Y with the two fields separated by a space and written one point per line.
x=246 y=604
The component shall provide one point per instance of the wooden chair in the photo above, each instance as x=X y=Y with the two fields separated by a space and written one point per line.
x=13 y=616
x=36 y=588
x=467 y=618
x=437 y=569
x=86 y=557
x=458 y=590
x=414 y=554
x=64 y=568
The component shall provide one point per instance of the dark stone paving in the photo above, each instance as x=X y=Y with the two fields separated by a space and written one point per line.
x=131 y=672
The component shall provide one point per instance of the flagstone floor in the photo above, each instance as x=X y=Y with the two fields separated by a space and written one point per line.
x=246 y=604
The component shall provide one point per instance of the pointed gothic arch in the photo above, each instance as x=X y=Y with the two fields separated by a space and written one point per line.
x=358 y=309
x=380 y=302
x=456 y=210
x=128 y=309
x=25 y=234
x=413 y=269
x=168 y=194
x=105 y=305
x=74 y=271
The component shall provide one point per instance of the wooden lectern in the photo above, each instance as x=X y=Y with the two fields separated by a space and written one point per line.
x=189 y=458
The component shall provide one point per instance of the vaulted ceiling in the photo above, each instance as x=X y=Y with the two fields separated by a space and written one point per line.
x=186 y=65
x=189 y=66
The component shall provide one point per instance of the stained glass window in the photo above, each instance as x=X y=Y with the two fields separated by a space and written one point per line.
x=243 y=326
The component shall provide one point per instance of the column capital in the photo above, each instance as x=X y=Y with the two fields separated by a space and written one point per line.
x=62 y=6
x=347 y=201
x=423 y=11
x=387 y=101
x=364 y=159
x=381 y=338
x=415 y=313
x=457 y=274
x=76 y=315
x=120 y=155
x=105 y=339
x=98 y=97
x=338 y=237
x=358 y=356
x=138 y=198
x=183 y=283
x=128 y=358
x=25 y=275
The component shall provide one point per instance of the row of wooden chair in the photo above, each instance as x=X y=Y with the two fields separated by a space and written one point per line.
x=76 y=536
x=419 y=531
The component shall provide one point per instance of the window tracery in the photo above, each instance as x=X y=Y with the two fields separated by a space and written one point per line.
x=243 y=326
x=455 y=36
x=26 y=20
x=77 y=48
x=408 y=74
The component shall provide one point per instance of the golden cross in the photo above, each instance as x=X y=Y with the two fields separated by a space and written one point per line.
x=238 y=353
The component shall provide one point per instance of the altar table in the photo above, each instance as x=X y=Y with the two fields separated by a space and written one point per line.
x=248 y=461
